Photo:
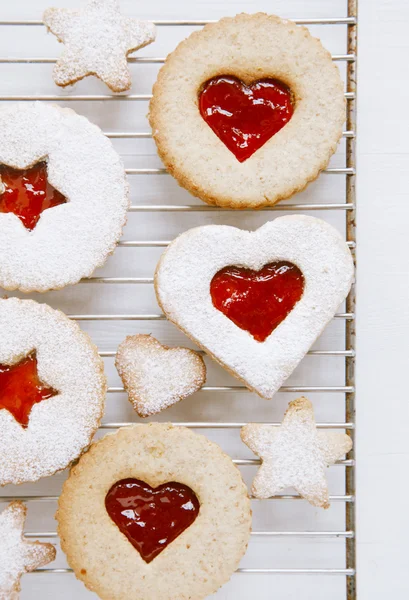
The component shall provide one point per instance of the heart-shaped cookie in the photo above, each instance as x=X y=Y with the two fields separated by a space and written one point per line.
x=151 y=518
x=156 y=376
x=244 y=117
x=255 y=143
x=183 y=282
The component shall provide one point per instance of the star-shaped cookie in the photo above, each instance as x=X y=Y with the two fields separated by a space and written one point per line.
x=97 y=42
x=17 y=555
x=295 y=454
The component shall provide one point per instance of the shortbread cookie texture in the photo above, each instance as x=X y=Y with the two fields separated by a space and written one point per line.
x=18 y=555
x=50 y=432
x=97 y=42
x=251 y=48
x=295 y=454
x=186 y=271
x=70 y=240
x=156 y=376
x=199 y=560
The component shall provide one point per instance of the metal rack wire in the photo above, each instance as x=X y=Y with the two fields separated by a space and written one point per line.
x=348 y=172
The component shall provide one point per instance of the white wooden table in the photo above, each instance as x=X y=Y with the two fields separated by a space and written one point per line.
x=383 y=291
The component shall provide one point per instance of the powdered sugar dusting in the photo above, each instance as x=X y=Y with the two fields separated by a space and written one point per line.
x=156 y=376
x=18 y=556
x=186 y=269
x=62 y=426
x=295 y=454
x=97 y=41
x=72 y=239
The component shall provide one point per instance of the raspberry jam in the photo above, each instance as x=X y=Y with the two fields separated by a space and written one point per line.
x=21 y=388
x=151 y=518
x=257 y=301
x=245 y=117
x=26 y=193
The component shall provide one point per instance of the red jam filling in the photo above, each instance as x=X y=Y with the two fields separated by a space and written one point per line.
x=21 y=388
x=27 y=193
x=257 y=301
x=244 y=116
x=151 y=518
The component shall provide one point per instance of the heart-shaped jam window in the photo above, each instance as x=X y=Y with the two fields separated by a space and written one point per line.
x=245 y=117
x=257 y=301
x=21 y=388
x=151 y=518
x=27 y=193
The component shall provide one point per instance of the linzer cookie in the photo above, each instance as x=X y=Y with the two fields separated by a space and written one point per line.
x=52 y=391
x=295 y=454
x=97 y=42
x=156 y=376
x=247 y=111
x=255 y=301
x=154 y=511
x=18 y=555
x=63 y=197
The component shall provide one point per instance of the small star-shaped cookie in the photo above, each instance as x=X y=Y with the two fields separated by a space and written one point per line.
x=295 y=454
x=97 y=42
x=18 y=556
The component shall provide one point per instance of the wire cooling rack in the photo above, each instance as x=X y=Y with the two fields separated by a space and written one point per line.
x=345 y=187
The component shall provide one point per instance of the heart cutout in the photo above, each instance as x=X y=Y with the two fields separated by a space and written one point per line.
x=183 y=289
x=245 y=117
x=257 y=301
x=151 y=518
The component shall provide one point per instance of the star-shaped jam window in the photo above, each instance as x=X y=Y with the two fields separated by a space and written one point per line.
x=21 y=388
x=27 y=193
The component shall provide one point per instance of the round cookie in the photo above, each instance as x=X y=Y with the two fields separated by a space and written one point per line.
x=187 y=269
x=70 y=240
x=251 y=48
x=52 y=391
x=197 y=562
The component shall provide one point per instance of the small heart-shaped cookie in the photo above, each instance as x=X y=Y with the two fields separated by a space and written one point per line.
x=156 y=376
x=256 y=301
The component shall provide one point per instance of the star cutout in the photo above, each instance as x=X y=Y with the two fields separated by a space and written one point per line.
x=295 y=454
x=17 y=555
x=27 y=193
x=97 y=42
x=21 y=388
